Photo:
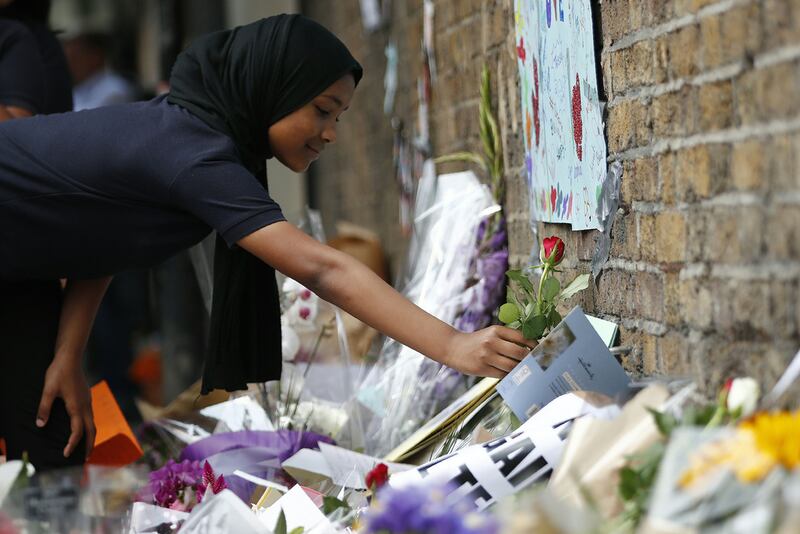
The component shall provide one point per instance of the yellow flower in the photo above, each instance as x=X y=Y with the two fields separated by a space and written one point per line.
x=760 y=444
x=777 y=435
x=737 y=453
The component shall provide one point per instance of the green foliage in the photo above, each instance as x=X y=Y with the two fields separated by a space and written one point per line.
x=665 y=422
x=580 y=283
x=331 y=504
x=550 y=289
x=280 y=526
x=516 y=275
x=491 y=160
x=636 y=479
x=534 y=326
x=534 y=312
x=509 y=312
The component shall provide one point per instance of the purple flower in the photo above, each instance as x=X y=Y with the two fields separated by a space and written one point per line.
x=487 y=288
x=424 y=510
x=481 y=230
x=491 y=271
x=472 y=320
x=174 y=485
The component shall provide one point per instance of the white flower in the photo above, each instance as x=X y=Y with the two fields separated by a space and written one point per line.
x=290 y=342
x=303 y=305
x=743 y=394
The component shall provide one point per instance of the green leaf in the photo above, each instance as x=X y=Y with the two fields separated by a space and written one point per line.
x=508 y=313
x=664 y=421
x=528 y=310
x=469 y=157
x=511 y=296
x=515 y=325
x=280 y=526
x=699 y=415
x=628 y=483
x=550 y=288
x=534 y=326
x=517 y=276
x=297 y=530
x=331 y=504
x=553 y=318
x=580 y=283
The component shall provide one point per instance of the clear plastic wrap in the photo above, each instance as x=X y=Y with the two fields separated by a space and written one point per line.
x=404 y=389
x=317 y=386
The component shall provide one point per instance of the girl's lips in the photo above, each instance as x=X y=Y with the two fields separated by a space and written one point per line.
x=315 y=152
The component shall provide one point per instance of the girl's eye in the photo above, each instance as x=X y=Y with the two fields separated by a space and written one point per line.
x=322 y=111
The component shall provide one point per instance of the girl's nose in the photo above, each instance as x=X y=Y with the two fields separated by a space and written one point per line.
x=329 y=134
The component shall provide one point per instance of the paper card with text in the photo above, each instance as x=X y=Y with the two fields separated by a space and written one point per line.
x=572 y=357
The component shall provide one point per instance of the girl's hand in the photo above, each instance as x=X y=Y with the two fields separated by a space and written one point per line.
x=493 y=351
x=65 y=379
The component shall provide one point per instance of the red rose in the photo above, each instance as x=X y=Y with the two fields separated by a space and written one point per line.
x=552 y=250
x=377 y=477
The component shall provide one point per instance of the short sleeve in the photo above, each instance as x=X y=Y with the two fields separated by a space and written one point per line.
x=227 y=197
x=22 y=73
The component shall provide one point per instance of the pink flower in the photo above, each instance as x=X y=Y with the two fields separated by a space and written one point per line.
x=305 y=294
x=210 y=482
x=304 y=312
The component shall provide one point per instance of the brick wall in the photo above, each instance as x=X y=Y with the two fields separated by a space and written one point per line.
x=703 y=112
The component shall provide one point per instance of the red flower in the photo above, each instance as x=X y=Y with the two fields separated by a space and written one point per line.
x=728 y=384
x=552 y=250
x=377 y=477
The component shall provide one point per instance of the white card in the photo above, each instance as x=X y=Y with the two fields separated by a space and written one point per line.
x=299 y=509
x=349 y=469
x=242 y=413
x=223 y=512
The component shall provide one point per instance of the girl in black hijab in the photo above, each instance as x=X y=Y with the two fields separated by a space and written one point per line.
x=87 y=194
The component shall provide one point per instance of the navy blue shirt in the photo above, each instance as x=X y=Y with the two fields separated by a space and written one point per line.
x=33 y=70
x=91 y=193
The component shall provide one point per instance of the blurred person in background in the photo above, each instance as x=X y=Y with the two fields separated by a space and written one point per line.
x=124 y=311
x=34 y=77
x=95 y=84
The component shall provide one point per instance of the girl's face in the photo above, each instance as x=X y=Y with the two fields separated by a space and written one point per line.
x=298 y=139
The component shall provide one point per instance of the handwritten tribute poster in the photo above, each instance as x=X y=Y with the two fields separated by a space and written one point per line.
x=564 y=144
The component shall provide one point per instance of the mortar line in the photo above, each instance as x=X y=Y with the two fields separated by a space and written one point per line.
x=674 y=24
x=730 y=135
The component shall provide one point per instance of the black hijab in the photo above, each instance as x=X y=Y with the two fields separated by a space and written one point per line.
x=240 y=82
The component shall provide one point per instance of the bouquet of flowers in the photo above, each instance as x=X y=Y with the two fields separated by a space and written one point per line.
x=181 y=485
x=485 y=287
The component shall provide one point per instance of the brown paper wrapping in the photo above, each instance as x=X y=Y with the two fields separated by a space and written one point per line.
x=596 y=450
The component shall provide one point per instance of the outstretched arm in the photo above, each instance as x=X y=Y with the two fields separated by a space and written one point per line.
x=64 y=377
x=12 y=112
x=345 y=282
